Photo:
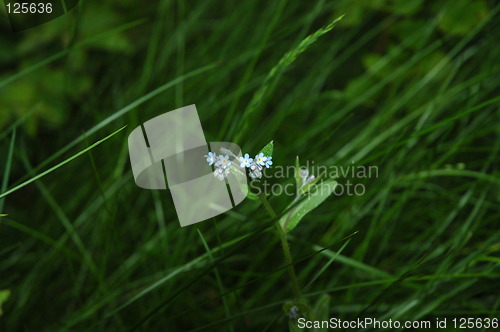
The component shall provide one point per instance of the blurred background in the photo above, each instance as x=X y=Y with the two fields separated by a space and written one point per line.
x=411 y=87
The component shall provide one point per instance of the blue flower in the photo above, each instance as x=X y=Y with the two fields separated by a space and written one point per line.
x=268 y=162
x=245 y=161
x=223 y=161
x=211 y=158
x=260 y=159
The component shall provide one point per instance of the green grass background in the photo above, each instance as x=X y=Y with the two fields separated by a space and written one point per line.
x=411 y=87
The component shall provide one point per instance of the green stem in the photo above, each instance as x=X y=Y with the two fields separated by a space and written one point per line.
x=286 y=248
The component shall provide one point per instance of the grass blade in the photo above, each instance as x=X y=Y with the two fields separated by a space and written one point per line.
x=62 y=163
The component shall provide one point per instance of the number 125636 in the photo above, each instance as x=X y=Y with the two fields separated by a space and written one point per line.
x=29 y=8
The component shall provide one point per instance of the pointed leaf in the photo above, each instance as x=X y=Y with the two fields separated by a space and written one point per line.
x=268 y=149
x=317 y=195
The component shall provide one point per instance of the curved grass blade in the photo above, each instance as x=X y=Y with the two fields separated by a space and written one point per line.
x=62 y=163
x=283 y=63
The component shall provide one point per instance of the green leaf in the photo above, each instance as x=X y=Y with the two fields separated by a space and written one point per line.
x=320 y=192
x=3 y=215
x=268 y=149
x=4 y=296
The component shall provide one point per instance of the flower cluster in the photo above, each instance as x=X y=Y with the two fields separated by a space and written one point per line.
x=256 y=165
x=223 y=165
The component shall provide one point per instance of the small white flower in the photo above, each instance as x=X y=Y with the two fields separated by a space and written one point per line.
x=224 y=161
x=260 y=159
x=245 y=161
x=304 y=173
x=218 y=173
x=269 y=162
x=256 y=171
x=211 y=158
x=306 y=178
x=221 y=173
